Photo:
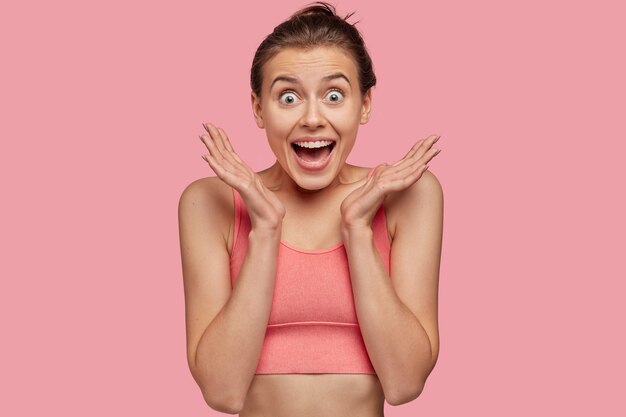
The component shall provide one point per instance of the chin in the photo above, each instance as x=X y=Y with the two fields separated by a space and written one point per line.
x=312 y=184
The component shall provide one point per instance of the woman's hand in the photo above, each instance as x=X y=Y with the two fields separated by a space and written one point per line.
x=360 y=206
x=265 y=209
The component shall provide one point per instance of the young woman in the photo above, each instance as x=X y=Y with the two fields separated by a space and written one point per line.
x=311 y=286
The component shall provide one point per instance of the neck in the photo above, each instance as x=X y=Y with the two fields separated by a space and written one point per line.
x=278 y=180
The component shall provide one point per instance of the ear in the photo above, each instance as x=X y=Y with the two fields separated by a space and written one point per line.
x=366 y=107
x=256 y=110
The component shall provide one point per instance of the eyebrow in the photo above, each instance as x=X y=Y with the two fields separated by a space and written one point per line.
x=296 y=81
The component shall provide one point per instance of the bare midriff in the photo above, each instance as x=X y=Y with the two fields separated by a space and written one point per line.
x=314 y=395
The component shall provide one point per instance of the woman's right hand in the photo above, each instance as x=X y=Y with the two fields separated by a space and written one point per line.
x=265 y=209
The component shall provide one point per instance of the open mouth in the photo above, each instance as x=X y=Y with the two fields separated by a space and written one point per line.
x=313 y=152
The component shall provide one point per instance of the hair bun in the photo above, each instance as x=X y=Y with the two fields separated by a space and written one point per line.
x=316 y=25
x=316 y=8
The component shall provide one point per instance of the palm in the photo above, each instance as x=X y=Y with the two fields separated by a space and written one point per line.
x=360 y=206
x=264 y=207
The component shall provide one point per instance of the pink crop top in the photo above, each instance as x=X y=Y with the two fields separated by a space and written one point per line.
x=313 y=326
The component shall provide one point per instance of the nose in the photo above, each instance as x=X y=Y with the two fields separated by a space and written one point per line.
x=312 y=117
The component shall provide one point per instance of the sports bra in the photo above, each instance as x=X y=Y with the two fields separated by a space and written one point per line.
x=313 y=326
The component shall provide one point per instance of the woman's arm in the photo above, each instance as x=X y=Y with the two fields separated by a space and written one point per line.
x=225 y=328
x=398 y=315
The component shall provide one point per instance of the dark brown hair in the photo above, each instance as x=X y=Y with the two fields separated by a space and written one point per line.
x=315 y=25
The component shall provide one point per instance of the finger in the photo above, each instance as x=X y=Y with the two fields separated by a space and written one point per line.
x=401 y=182
x=401 y=171
x=415 y=147
x=225 y=154
x=215 y=165
x=233 y=172
x=217 y=139
x=210 y=135
x=234 y=158
x=406 y=182
x=229 y=177
x=401 y=165
x=208 y=127
x=427 y=144
x=421 y=162
x=225 y=148
x=209 y=142
x=418 y=156
x=228 y=152
x=227 y=143
x=418 y=151
x=431 y=154
x=217 y=154
x=411 y=153
x=428 y=156
x=409 y=166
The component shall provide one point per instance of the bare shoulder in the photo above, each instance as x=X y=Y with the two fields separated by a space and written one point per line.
x=208 y=188
x=208 y=200
x=424 y=197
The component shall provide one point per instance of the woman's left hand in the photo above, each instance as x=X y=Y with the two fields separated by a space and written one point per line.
x=360 y=206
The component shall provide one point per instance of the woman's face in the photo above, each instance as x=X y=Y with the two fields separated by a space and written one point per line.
x=311 y=97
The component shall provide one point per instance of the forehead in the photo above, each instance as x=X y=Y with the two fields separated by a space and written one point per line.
x=310 y=64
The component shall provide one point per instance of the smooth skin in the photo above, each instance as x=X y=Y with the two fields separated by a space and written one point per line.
x=397 y=314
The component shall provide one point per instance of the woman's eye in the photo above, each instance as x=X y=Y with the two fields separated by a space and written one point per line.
x=288 y=97
x=335 y=96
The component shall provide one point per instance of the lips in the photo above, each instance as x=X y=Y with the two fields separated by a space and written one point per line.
x=315 y=155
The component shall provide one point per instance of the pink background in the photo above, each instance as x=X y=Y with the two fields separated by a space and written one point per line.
x=102 y=105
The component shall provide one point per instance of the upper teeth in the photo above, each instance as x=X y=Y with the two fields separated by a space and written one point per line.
x=317 y=144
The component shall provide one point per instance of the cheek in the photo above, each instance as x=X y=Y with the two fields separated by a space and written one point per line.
x=278 y=120
x=277 y=129
x=345 y=119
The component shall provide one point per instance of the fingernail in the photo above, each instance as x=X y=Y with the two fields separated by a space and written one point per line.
x=437 y=138
x=205 y=126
